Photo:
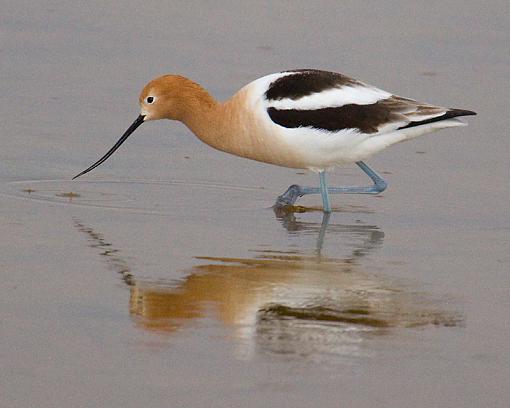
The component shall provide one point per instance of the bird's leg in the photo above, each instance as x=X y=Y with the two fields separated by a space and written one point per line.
x=294 y=192
x=326 y=206
x=322 y=233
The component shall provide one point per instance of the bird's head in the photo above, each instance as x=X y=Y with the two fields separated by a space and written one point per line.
x=167 y=97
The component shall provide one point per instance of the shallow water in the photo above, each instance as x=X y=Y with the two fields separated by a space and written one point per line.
x=165 y=278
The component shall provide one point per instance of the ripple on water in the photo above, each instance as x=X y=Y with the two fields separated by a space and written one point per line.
x=145 y=196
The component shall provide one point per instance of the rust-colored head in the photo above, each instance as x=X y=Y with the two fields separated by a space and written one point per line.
x=166 y=97
x=172 y=97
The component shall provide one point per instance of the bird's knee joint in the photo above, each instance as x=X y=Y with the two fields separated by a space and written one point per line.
x=381 y=185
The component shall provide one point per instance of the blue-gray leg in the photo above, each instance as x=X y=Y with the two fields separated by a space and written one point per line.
x=326 y=206
x=295 y=191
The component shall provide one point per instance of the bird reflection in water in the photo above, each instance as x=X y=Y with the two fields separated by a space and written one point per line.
x=285 y=302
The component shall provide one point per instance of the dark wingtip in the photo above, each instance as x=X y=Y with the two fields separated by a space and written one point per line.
x=450 y=113
x=460 y=112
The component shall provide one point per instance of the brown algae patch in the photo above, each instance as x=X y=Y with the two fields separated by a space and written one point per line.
x=68 y=195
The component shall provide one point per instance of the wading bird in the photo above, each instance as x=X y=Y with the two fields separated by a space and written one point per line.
x=304 y=119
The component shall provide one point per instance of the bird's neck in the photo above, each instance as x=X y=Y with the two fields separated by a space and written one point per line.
x=195 y=104
x=233 y=128
x=205 y=117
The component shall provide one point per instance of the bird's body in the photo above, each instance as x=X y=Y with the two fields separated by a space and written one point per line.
x=307 y=119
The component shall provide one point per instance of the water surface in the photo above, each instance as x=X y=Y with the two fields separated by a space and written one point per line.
x=165 y=278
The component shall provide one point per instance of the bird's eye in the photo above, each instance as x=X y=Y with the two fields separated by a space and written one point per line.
x=149 y=99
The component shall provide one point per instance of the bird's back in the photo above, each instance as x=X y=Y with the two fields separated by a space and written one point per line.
x=326 y=118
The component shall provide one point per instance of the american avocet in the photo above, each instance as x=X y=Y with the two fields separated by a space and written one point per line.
x=305 y=119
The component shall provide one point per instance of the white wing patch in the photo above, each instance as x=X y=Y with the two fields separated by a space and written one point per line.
x=388 y=122
x=333 y=98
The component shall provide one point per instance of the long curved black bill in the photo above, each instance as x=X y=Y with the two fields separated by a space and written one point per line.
x=127 y=133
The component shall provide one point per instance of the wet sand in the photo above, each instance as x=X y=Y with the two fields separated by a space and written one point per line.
x=165 y=278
